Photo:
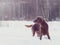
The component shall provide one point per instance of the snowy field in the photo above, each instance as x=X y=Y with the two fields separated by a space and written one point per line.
x=15 y=33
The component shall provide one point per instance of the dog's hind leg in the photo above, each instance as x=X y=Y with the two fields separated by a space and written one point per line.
x=48 y=35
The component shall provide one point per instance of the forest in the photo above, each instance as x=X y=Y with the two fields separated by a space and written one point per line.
x=29 y=9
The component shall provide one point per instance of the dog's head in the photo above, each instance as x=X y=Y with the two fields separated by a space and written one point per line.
x=38 y=19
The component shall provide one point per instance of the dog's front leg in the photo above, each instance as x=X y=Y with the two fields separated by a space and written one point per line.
x=41 y=36
x=40 y=31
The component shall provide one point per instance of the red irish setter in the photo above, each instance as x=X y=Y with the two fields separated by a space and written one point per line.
x=40 y=27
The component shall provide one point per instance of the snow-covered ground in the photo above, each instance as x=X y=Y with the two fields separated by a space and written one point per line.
x=15 y=33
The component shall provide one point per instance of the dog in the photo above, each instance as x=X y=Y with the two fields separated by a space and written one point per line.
x=44 y=27
x=40 y=27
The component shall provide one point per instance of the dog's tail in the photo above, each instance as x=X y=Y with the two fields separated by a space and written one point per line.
x=28 y=26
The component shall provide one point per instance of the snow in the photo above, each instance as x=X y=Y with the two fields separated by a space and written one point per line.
x=15 y=33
